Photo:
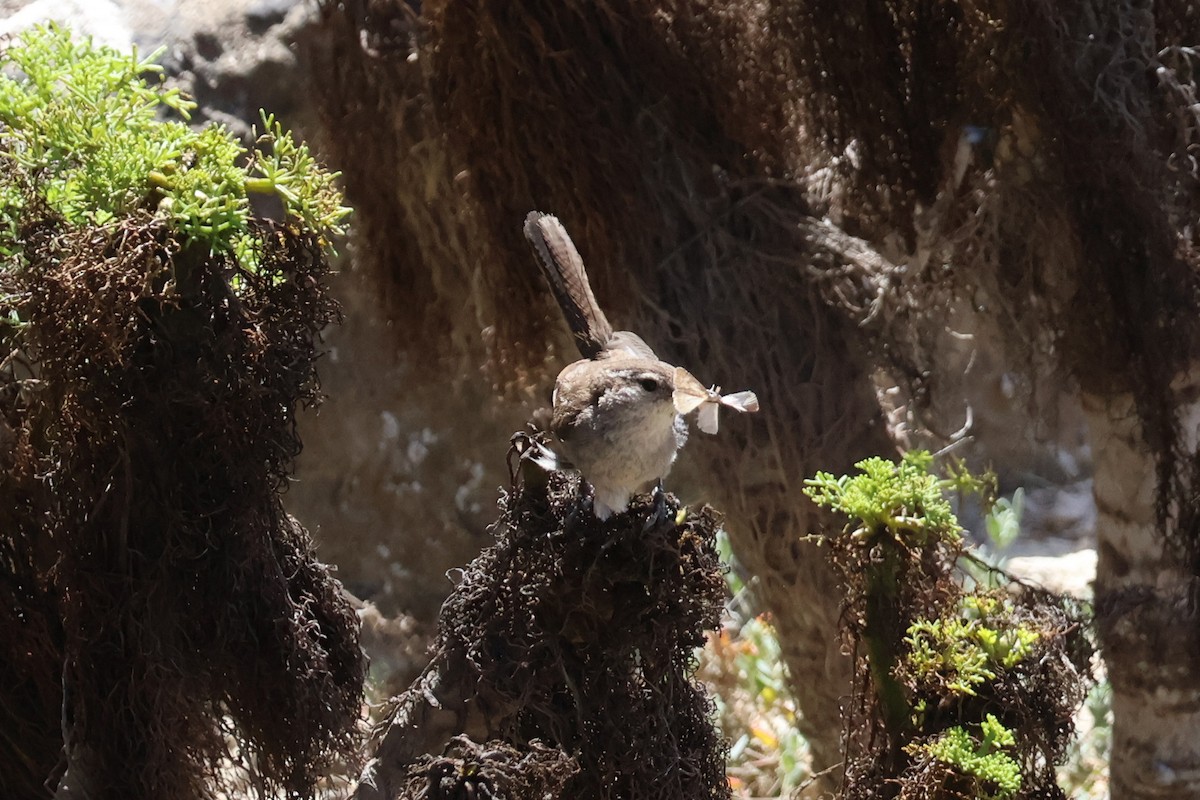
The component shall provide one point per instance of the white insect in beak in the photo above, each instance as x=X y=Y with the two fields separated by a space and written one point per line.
x=691 y=394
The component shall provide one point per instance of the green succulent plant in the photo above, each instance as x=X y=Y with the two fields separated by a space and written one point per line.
x=87 y=131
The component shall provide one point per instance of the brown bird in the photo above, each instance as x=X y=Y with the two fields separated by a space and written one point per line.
x=614 y=410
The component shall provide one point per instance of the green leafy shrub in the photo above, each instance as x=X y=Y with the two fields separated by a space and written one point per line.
x=82 y=130
x=940 y=665
x=997 y=775
x=903 y=499
x=965 y=650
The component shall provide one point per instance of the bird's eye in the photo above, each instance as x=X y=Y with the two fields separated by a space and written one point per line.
x=649 y=384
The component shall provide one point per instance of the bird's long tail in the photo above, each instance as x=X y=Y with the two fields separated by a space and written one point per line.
x=563 y=267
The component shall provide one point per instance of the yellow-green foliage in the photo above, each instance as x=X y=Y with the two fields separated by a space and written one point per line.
x=966 y=650
x=997 y=775
x=82 y=130
x=905 y=500
x=939 y=665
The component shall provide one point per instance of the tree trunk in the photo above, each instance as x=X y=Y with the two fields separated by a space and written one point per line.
x=1145 y=604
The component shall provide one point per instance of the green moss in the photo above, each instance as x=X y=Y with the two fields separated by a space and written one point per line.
x=996 y=774
x=83 y=129
x=964 y=651
x=902 y=499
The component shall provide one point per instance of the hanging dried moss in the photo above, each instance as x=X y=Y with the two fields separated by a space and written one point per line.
x=1031 y=160
x=664 y=135
x=415 y=232
x=31 y=697
x=157 y=598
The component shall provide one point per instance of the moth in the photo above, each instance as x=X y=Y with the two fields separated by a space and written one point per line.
x=691 y=394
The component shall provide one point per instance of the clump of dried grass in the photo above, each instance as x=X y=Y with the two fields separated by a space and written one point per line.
x=576 y=637
x=150 y=413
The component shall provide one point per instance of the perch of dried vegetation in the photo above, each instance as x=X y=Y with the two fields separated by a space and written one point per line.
x=568 y=647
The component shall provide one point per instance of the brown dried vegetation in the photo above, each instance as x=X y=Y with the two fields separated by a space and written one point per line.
x=169 y=624
x=573 y=636
x=493 y=770
x=663 y=135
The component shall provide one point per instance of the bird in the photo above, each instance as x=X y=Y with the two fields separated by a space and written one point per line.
x=614 y=414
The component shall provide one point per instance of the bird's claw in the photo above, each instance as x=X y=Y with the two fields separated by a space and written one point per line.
x=660 y=512
x=527 y=449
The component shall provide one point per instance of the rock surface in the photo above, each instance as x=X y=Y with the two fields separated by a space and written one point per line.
x=233 y=57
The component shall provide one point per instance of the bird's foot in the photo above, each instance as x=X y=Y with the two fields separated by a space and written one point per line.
x=660 y=511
